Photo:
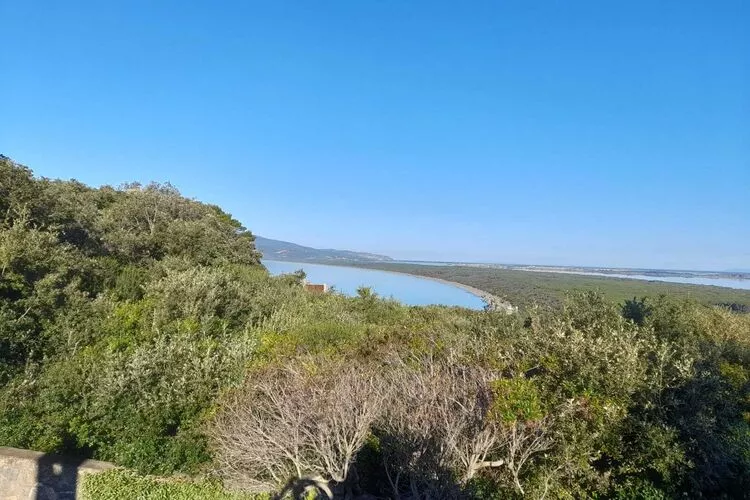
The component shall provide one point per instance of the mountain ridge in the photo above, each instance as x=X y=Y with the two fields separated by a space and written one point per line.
x=285 y=250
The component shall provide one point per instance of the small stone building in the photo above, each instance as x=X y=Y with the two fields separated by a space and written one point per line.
x=316 y=288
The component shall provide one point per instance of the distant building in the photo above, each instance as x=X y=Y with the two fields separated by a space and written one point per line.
x=316 y=288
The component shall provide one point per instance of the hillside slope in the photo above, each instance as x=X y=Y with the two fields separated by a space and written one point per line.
x=284 y=250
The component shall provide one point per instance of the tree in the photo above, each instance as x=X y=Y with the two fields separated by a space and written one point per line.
x=288 y=426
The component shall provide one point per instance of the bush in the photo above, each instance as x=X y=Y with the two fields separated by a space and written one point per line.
x=118 y=484
x=287 y=427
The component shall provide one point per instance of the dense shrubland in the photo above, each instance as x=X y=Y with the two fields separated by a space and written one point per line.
x=139 y=327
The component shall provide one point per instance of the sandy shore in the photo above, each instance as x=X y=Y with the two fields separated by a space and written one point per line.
x=493 y=301
x=487 y=297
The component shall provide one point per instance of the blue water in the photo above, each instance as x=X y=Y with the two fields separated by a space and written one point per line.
x=740 y=284
x=407 y=289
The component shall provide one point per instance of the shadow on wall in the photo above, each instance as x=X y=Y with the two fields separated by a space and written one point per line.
x=56 y=478
x=31 y=475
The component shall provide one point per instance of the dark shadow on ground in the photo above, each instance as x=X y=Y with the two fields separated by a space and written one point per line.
x=56 y=477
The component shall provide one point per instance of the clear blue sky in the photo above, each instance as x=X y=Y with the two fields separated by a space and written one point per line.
x=594 y=133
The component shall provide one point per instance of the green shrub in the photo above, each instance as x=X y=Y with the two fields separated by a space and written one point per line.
x=118 y=484
x=516 y=399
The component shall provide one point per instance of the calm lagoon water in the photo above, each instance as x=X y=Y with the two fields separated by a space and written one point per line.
x=407 y=289
x=697 y=280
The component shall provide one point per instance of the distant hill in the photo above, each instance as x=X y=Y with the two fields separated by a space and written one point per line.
x=284 y=250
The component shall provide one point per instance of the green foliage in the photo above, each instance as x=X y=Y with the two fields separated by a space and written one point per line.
x=130 y=283
x=636 y=310
x=129 y=316
x=638 y=488
x=111 y=307
x=516 y=399
x=118 y=484
x=484 y=488
x=154 y=221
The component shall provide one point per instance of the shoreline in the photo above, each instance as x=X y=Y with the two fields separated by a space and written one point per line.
x=489 y=299
x=677 y=280
x=494 y=302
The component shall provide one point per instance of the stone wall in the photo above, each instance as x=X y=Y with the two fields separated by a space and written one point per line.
x=30 y=475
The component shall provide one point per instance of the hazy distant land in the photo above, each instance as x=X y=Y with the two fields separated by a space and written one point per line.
x=292 y=252
x=525 y=285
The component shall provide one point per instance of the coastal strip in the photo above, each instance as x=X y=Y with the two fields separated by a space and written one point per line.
x=492 y=302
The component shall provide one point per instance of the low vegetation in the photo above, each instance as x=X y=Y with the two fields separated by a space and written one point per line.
x=119 y=484
x=526 y=289
x=139 y=327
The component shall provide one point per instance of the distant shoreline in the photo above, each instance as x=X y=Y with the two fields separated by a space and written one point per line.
x=486 y=297
x=736 y=281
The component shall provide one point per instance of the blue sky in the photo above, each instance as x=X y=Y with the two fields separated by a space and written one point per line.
x=591 y=133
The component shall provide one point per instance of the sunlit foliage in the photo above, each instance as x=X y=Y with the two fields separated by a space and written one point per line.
x=138 y=326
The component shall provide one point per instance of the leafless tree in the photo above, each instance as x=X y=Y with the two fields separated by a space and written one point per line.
x=438 y=431
x=294 y=426
x=344 y=405
x=524 y=440
x=289 y=425
x=258 y=435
